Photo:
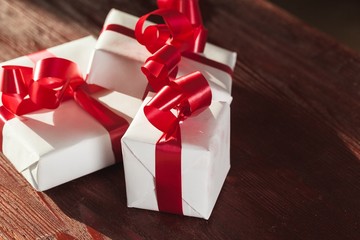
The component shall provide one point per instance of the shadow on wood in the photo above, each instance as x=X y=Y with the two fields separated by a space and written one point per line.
x=286 y=179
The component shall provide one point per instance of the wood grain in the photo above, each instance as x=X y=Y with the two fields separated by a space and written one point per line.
x=295 y=147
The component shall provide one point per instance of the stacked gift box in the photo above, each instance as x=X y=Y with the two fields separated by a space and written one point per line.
x=164 y=105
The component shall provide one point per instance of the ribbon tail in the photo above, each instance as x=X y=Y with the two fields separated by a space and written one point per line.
x=168 y=173
x=113 y=123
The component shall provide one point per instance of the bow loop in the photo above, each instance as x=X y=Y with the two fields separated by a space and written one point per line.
x=15 y=80
x=177 y=31
x=25 y=89
x=55 y=67
x=197 y=93
x=177 y=101
x=161 y=66
x=191 y=9
x=183 y=31
x=158 y=110
x=54 y=79
x=157 y=36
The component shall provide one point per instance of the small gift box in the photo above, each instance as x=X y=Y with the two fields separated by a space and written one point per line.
x=51 y=147
x=118 y=58
x=199 y=167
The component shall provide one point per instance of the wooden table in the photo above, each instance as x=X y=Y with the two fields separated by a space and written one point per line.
x=295 y=148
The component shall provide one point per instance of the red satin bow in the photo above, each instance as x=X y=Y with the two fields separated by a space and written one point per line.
x=182 y=32
x=46 y=85
x=51 y=81
x=177 y=31
x=190 y=8
x=183 y=27
x=186 y=96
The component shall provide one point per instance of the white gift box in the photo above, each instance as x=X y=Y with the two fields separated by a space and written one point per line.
x=51 y=147
x=118 y=58
x=205 y=157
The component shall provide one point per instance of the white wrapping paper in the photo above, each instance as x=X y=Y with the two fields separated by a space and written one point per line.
x=126 y=56
x=205 y=160
x=51 y=147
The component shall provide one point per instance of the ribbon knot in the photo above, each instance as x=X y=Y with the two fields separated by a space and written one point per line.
x=55 y=79
x=177 y=101
x=161 y=67
x=25 y=89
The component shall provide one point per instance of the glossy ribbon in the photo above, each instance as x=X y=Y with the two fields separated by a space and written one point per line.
x=177 y=31
x=191 y=9
x=25 y=89
x=52 y=81
x=10 y=89
x=182 y=32
x=173 y=104
x=190 y=55
x=15 y=84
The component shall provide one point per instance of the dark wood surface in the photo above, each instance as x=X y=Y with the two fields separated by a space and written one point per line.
x=295 y=149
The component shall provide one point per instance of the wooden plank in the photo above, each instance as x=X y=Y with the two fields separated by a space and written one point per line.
x=295 y=133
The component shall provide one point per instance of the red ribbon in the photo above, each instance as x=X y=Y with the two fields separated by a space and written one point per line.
x=11 y=90
x=187 y=96
x=182 y=32
x=190 y=8
x=160 y=68
x=16 y=81
x=177 y=31
x=52 y=81
x=190 y=55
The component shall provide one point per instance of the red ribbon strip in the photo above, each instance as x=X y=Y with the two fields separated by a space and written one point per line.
x=52 y=81
x=193 y=56
x=119 y=29
x=188 y=96
x=181 y=35
x=113 y=123
x=182 y=32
